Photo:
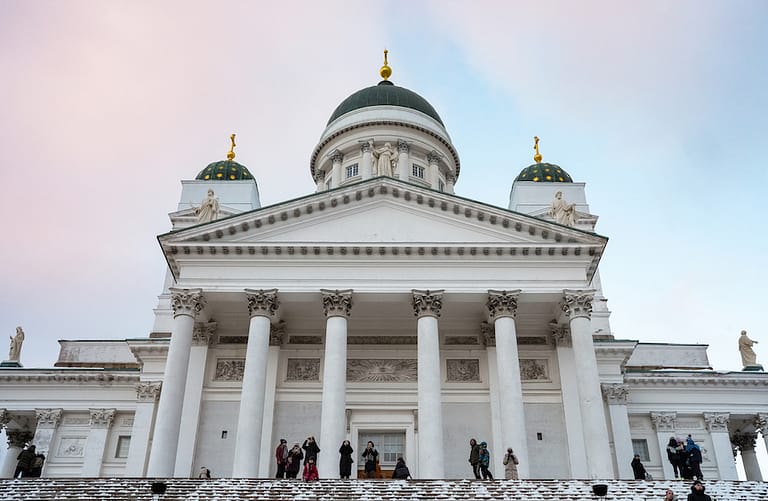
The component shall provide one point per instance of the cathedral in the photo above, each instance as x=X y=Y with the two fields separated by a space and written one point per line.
x=383 y=307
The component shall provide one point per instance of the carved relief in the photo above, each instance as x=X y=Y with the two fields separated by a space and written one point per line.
x=462 y=370
x=48 y=418
x=487 y=334
x=534 y=369
x=664 y=421
x=303 y=369
x=453 y=340
x=336 y=302
x=75 y=420
x=186 y=301
x=306 y=340
x=502 y=303
x=102 y=418
x=71 y=447
x=531 y=340
x=381 y=340
x=203 y=333
x=148 y=391
x=233 y=340
x=277 y=333
x=382 y=370
x=577 y=303
x=716 y=421
x=229 y=369
x=262 y=302
x=427 y=303
x=615 y=394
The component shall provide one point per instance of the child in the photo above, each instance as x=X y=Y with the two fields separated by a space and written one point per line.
x=310 y=471
x=485 y=460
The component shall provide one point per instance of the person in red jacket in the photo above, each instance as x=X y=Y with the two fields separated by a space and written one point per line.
x=310 y=471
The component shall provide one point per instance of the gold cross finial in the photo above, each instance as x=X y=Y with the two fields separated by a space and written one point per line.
x=537 y=156
x=231 y=152
x=385 y=70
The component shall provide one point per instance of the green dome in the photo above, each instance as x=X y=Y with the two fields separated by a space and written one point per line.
x=383 y=94
x=544 y=173
x=224 y=170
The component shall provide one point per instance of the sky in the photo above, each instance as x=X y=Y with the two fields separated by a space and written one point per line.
x=660 y=107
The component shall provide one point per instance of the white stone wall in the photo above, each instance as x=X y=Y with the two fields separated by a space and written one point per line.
x=213 y=451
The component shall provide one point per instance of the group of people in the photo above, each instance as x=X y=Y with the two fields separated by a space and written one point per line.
x=697 y=493
x=480 y=459
x=289 y=461
x=29 y=463
x=685 y=458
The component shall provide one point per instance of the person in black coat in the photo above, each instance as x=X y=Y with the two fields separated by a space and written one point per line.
x=311 y=449
x=371 y=456
x=638 y=468
x=293 y=463
x=674 y=456
x=345 y=461
x=697 y=492
x=694 y=459
x=401 y=470
x=25 y=460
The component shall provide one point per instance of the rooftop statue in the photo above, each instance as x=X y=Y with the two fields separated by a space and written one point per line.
x=14 y=353
x=209 y=209
x=563 y=212
x=748 y=356
x=385 y=156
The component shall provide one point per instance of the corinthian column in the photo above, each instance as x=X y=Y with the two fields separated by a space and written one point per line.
x=262 y=306
x=427 y=306
x=146 y=401
x=366 y=168
x=761 y=425
x=16 y=441
x=616 y=396
x=101 y=420
x=186 y=304
x=717 y=424
x=502 y=308
x=433 y=158
x=577 y=306
x=336 y=175
x=403 y=160
x=746 y=445
x=337 y=306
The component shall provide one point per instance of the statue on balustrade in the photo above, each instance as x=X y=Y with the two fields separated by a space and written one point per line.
x=385 y=159
x=209 y=209
x=748 y=356
x=563 y=212
x=14 y=353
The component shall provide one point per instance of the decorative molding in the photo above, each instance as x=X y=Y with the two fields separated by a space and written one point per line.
x=277 y=333
x=502 y=303
x=462 y=370
x=433 y=157
x=48 y=418
x=717 y=421
x=678 y=379
x=689 y=423
x=18 y=438
x=397 y=340
x=71 y=447
x=386 y=370
x=577 y=303
x=67 y=376
x=664 y=421
x=233 y=339
x=305 y=340
x=337 y=303
x=102 y=418
x=262 y=302
x=427 y=303
x=188 y=302
x=534 y=369
x=560 y=335
x=203 y=333
x=532 y=340
x=615 y=393
x=744 y=441
x=761 y=423
x=487 y=335
x=148 y=391
x=229 y=369
x=336 y=156
x=76 y=420
x=461 y=340
x=303 y=369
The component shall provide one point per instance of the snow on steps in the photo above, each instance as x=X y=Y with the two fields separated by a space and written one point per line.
x=231 y=489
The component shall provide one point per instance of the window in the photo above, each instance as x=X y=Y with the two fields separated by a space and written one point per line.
x=352 y=170
x=329 y=185
x=640 y=446
x=123 y=444
x=418 y=171
x=390 y=444
x=440 y=185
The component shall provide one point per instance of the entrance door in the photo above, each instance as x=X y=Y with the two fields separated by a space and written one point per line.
x=390 y=444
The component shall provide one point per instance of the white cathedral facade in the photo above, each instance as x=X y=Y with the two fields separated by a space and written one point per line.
x=382 y=307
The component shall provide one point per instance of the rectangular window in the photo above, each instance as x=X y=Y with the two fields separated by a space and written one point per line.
x=351 y=170
x=640 y=446
x=440 y=185
x=391 y=445
x=123 y=444
x=418 y=171
x=329 y=185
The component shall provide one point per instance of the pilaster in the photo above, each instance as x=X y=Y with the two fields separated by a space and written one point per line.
x=147 y=393
x=47 y=423
x=616 y=396
x=101 y=420
x=717 y=425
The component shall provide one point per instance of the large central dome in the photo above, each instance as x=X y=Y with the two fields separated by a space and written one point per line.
x=385 y=94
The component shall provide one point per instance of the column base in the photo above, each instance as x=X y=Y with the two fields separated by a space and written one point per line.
x=16 y=363
x=748 y=368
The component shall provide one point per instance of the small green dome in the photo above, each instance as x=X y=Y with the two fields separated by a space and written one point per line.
x=385 y=94
x=224 y=170
x=544 y=173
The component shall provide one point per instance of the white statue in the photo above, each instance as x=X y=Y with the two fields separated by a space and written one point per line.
x=14 y=353
x=748 y=356
x=209 y=209
x=563 y=212
x=385 y=156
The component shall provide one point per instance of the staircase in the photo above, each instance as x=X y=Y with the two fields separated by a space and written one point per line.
x=231 y=489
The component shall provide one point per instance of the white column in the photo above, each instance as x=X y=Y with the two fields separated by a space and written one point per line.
x=761 y=425
x=337 y=306
x=577 y=306
x=267 y=466
x=366 y=166
x=427 y=306
x=433 y=158
x=146 y=404
x=262 y=305
x=746 y=445
x=186 y=303
x=664 y=423
x=336 y=175
x=93 y=456
x=450 y=181
x=193 y=398
x=17 y=439
x=403 y=160
x=717 y=424
x=616 y=396
x=488 y=338
x=561 y=337
x=502 y=307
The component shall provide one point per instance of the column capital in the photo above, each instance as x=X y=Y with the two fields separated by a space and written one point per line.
x=337 y=303
x=277 y=333
x=761 y=423
x=615 y=393
x=148 y=391
x=48 y=418
x=203 y=333
x=262 y=303
x=427 y=303
x=336 y=156
x=744 y=441
x=664 y=421
x=365 y=146
x=577 y=303
x=502 y=303
x=18 y=438
x=433 y=157
x=717 y=421
x=560 y=335
x=102 y=418
x=188 y=302
x=487 y=334
x=402 y=146
x=4 y=418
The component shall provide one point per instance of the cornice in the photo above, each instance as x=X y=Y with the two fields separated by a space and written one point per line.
x=68 y=376
x=689 y=379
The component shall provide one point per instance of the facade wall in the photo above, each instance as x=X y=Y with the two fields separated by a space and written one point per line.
x=214 y=451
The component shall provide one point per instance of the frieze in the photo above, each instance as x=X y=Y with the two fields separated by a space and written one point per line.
x=229 y=369
x=427 y=303
x=382 y=370
x=382 y=340
x=716 y=421
x=76 y=420
x=71 y=447
x=688 y=423
x=48 y=418
x=462 y=370
x=306 y=340
x=233 y=339
x=102 y=418
x=534 y=369
x=664 y=421
x=454 y=340
x=148 y=391
x=303 y=369
x=532 y=340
